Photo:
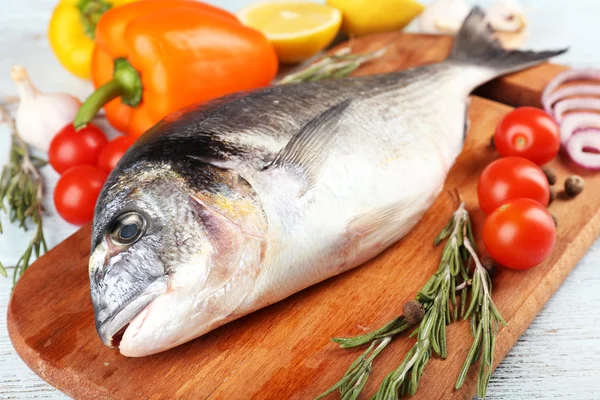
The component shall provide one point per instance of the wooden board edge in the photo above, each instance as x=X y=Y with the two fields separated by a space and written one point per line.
x=522 y=88
x=61 y=379
x=551 y=283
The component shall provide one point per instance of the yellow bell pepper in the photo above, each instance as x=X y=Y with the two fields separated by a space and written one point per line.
x=72 y=29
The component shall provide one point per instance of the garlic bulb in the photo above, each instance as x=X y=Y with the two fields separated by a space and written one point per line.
x=444 y=16
x=40 y=116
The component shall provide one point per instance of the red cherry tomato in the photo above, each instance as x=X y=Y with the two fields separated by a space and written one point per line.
x=112 y=153
x=76 y=193
x=511 y=178
x=520 y=234
x=529 y=133
x=70 y=148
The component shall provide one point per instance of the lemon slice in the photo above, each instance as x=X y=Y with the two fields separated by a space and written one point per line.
x=297 y=30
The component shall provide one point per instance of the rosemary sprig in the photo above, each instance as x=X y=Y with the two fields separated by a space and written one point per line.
x=438 y=298
x=441 y=308
x=339 y=64
x=21 y=190
x=484 y=317
x=392 y=328
x=356 y=376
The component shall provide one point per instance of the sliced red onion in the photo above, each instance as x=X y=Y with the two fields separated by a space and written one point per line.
x=577 y=103
x=579 y=90
x=575 y=122
x=579 y=142
x=567 y=76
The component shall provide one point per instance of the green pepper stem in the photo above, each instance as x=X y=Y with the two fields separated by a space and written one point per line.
x=96 y=101
x=90 y=12
x=126 y=83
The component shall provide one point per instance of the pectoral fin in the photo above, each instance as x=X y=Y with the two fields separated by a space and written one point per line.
x=307 y=150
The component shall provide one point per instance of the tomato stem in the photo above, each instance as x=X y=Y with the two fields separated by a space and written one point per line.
x=520 y=142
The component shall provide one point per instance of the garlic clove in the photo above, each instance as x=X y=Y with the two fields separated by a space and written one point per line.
x=41 y=116
x=20 y=76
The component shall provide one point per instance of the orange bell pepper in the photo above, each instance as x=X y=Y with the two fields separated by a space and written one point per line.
x=157 y=56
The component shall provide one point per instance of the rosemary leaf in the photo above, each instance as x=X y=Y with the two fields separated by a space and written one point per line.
x=497 y=314
x=392 y=328
x=470 y=358
x=474 y=299
x=445 y=232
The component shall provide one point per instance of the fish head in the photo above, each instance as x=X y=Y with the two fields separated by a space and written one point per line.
x=173 y=254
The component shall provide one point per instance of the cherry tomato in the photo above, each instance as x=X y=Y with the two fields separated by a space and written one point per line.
x=112 y=153
x=70 y=148
x=511 y=178
x=76 y=193
x=520 y=234
x=529 y=133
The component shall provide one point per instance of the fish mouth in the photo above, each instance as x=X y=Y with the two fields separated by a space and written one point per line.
x=112 y=329
x=117 y=337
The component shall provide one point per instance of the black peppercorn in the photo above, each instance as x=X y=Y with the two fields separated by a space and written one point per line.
x=489 y=264
x=573 y=185
x=550 y=175
x=413 y=312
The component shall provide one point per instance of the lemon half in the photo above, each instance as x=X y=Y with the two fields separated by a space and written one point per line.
x=297 y=30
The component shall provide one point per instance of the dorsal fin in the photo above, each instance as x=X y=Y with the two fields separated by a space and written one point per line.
x=309 y=147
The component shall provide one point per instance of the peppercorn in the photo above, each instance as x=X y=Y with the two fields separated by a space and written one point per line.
x=573 y=185
x=413 y=312
x=555 y=220
x=550 y=175
x=489 y=264
x=552 y=196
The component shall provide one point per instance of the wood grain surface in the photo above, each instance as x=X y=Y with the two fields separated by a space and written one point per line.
x=283 y=351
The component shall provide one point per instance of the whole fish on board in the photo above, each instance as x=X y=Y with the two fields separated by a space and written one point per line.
x=228 y=207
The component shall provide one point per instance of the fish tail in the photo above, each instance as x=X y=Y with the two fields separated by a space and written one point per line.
x=476 y=45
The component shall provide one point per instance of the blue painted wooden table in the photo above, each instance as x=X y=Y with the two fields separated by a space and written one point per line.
x=558 y=356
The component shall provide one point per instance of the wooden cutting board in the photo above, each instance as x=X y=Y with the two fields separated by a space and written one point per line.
x=283 y=351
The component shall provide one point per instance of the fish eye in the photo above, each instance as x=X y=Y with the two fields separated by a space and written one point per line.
x=128 y=228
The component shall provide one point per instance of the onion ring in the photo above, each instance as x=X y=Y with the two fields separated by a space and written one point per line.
x=567 y=76
x=587 y=138
x=578 y=103
x=579 y=90
x=576 y=122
